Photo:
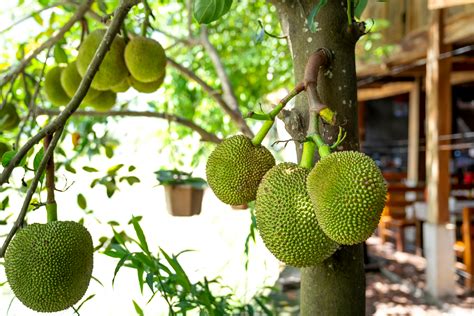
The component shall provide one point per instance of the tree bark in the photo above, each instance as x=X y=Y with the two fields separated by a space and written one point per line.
x=337 y=286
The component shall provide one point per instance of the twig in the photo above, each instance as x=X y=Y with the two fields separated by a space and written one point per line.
x=76 y=100
x=235 y=116
x=50 y=42
x=205 y=135
x=51 y=206
x=31 y=190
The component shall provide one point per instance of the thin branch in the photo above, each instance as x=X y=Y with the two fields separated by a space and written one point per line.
x=235 y=116
x=83 y=88
x=14 y=71
x=51 y=206
x=205 y=135
x=31 y=190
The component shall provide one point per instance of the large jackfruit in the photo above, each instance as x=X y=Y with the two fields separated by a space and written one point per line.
x=145 y=59
x=70 y=81
x=348 y=193
x=53 y=88
x=286 y=219
x=112 y=70
x=9 y=118
x=123 y=86
x=236 y=167
x=49 y=266
x=104 y=101
x=147 y=87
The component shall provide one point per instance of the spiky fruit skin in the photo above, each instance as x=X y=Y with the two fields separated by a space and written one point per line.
x=236 y=167
x=123 y=86
x=145 y=59
x=286 y=219
x=49 y=266
x=9 y=118
x=348 y=192
x=147 y=87
x=112 y=70
x=104 y=101
x=70 y=80
x=53 y=88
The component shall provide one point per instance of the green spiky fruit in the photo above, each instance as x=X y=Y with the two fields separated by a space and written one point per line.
x=4 y=147
x=348 y=192
x=145 y=59
x=122 y=86
x=147 y=87
x=53 y=88
x=9 y=118
x=104 y=101
x=112 y=70
x=236 y=167
x=70 y=80
x=286 y=219
x=49 y=266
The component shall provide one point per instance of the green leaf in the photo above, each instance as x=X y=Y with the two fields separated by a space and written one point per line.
x=131 y=168
x=7 y=157
x=141 y=236
x=113 y=170
x=4 y=203
x=207 y=11
x=89 y=169
x=109 y=151
x=60 y=55
x=113 y=223
x=119 y=265
x=359 y=9
x=311 y=24
x=38 y=157
x=69 y=168
x=130 y=179
x=180 y=274
x=138 y=309
x=110 y=189
x=263 y=307
x=37 y=18
x=81 y=201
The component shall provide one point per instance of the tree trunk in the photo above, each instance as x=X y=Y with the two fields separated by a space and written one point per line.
x=337 y=286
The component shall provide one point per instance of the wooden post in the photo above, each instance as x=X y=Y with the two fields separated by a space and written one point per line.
x=414 y=132
x=438 y=238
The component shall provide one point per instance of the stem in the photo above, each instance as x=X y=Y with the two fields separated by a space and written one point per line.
x=323 y=148
x=146 y=22
x=267 y=125
x=307 y=155
x=51 y=206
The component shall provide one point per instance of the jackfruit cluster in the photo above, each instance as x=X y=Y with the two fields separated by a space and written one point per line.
x=49 y=266
x=145 y=59
x=348 y=192
x=286 y=219
x=236 y=167
x=53 y=87
x=9 y=118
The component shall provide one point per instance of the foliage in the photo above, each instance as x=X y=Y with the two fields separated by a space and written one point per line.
x=176 y=177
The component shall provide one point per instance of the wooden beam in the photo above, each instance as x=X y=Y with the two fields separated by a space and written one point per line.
x=439 y=4
x=460 y=77
x=385 y=91
x=438 y=120
x=414 y=132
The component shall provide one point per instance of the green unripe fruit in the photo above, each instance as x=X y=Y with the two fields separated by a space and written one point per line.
x=145 y=59
x=286 y=219
x=4 y=147
x=122 y=86
x=147 y=87
x=70 y=80
x=236 y=167
x=49 y=266
x=104 y=101
x=9 y=118
x=53 y=88
x=348 y=192
x=112 y=70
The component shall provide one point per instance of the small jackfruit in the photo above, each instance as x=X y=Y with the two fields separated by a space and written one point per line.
x=112 y=70
x=236 y=167
x=49 y=266
x=104 y=101
x=145 y=59
x=9 y=118
x=348 y=193
x=123 y=86
x=53 y=88
x=286 y=219
x=70 y=80
x=147 y=87
x=4 y=147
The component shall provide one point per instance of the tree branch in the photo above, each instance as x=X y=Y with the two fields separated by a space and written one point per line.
x=235 y=116
x=14 y=71
x=76 y=100
x=205 y=135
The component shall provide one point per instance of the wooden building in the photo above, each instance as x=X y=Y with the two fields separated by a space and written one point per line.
x=431 y=60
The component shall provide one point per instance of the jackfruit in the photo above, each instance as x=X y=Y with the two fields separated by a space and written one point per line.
x=112 y=70
x=9 y=118
x=49 y=266
x=70 y=80
x=147 y=87
x=286 y=219
x=53 y=88
x=236 y=167
x=123 y=86
x=348 y=193
x=104 y=101
x=4 y=147
x=145 y=59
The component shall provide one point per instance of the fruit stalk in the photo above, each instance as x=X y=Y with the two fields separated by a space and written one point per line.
x=267 y=125
x=308 y=153
x=51 y=206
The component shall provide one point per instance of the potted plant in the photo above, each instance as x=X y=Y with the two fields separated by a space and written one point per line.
x=183 y=191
